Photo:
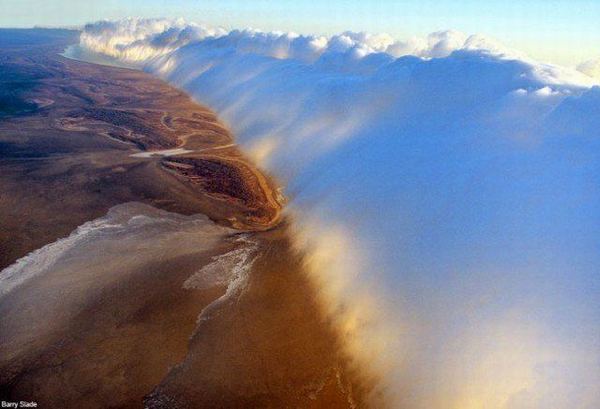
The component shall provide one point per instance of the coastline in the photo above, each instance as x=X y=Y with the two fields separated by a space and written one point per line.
x=126 y=340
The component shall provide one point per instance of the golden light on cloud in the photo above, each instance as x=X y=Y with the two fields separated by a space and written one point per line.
x=495 y=362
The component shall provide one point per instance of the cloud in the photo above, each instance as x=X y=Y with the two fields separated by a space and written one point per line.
x=445 y=188
x=591 y=68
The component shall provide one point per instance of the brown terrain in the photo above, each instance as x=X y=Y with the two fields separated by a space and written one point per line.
x=116 y=325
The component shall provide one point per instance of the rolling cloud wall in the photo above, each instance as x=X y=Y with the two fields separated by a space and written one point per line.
x=447 y=190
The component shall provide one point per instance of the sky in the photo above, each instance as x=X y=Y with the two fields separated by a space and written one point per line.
x=560 y=31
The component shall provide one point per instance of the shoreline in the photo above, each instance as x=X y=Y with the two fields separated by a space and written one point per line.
x=231 y=155
x=126 y=314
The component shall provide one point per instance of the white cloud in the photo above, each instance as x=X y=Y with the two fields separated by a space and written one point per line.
x=461 y=174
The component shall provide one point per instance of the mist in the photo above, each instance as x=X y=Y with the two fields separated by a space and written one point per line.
x=445 y=190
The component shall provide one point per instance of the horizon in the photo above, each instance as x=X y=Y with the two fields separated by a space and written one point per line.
x=545 y=32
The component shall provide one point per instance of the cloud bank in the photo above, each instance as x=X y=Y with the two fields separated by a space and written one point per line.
x=447 y=189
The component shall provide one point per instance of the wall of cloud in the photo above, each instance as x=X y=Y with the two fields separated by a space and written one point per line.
x=448 y=189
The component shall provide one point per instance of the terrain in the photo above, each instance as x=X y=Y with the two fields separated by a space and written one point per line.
x=111 y=322
x=67 y=136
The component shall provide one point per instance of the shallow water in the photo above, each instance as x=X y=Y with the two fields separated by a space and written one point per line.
x=143 y=304
x=58 y=282
x=141 y=231
x=163 y=152
x=110 y=298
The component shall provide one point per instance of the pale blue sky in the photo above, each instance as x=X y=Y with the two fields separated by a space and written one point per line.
x=563 y=31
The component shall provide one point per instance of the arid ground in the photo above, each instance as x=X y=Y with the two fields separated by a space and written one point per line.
x=119 y=320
